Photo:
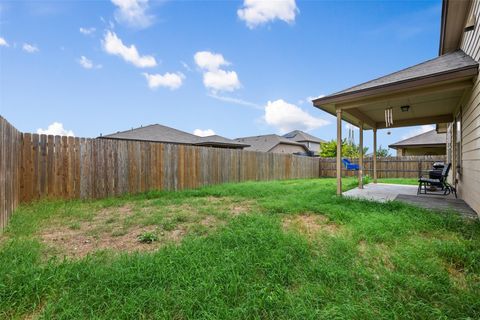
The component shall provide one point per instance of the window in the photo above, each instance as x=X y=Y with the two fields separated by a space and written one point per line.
x=450 y=142
x=458 y=142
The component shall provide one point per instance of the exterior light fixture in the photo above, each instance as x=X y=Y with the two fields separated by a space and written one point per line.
x=405 y=108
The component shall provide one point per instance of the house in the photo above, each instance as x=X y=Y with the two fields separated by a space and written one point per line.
x=273 y=143
x=430 y=143
x=164 y=134
x=443 y=91
x=311 y=142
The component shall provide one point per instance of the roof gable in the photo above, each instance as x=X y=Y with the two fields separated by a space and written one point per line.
x=265 y=143
x=216 y=139
x=427 y=138
x=160 y=133
x=301 y=136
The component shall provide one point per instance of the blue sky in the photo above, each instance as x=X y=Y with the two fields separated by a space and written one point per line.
x=238 y=68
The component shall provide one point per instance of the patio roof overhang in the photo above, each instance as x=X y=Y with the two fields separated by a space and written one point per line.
x=432 y=90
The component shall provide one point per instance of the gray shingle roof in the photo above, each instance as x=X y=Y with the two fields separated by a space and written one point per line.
x=301 y=136
x=159 y=133
x=450 y=62
x=265 y=143
x=425 y=139
x=216 y=139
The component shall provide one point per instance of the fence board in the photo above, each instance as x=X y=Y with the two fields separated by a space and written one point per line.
x=10 y=170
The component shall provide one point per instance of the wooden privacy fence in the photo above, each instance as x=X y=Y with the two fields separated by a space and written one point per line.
x=71 y=168
x=10 y=146
x=388 y=167
x=36 y=166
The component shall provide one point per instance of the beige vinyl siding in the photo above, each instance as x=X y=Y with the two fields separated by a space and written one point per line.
x=286 y=148
x=432 y=151
x=315 y=147
x=469 y=179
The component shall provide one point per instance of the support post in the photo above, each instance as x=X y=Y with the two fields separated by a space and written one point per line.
x=339 y=152
x=374 y=155
x=360 y=157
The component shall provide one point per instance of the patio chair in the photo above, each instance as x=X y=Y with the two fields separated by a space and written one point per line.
x=350 y=166
x=424 y=183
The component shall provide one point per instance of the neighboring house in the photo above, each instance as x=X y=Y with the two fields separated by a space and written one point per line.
x=311 y=142
x=430 y=143
x=159 y=133
x=273 y=143
x=444 y=91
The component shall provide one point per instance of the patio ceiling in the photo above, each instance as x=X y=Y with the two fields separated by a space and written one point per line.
x=432 y=90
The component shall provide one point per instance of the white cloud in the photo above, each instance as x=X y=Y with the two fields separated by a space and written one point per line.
x=209 y=61
x=236 y=101
x=221 y=80
x=133 y=13
x=30 y=48
x=169 y=80
x=258 y=12
x=114 y=45
x=186 y=66
x=87 y=31
x=214 y=78
x=57 y=129
x=87 y=63
x=309 y=99
x=287 y=117
x=3 y=42
x=417 y=131
x=109 y=24
x=203 y=133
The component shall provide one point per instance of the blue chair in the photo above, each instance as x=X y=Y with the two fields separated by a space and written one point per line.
x=350 y=166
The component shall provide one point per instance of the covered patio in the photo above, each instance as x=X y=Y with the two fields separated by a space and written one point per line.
x=427 y=93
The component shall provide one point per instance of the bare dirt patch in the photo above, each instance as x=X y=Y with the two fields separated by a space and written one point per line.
x=457 y=277
x=209 y=221
x=35 y=314
x=77 y=244
x=118 y=228
x=224 y=204
x=310 y=224
x=362 y=247
x=382 y=253
x=229 y=204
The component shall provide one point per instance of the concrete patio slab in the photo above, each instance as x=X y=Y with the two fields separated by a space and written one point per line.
x=382 y=192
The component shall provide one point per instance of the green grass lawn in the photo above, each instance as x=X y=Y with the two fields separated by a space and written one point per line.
x=409 y=181
x=267 y=250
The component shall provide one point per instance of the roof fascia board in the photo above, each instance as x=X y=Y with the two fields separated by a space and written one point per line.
x=400 y=86
x=432 y=145
x=452 y=24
